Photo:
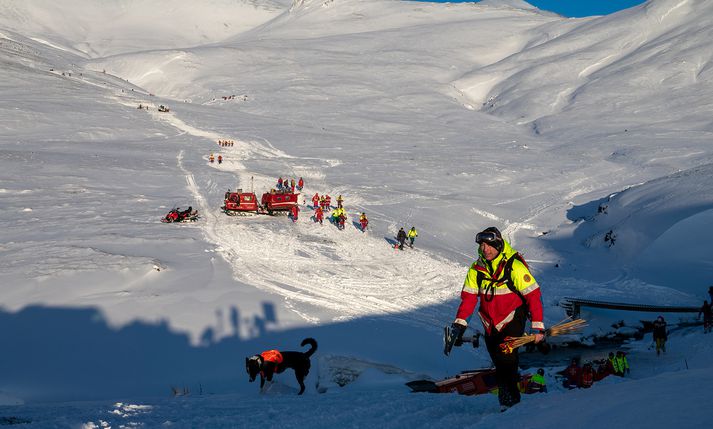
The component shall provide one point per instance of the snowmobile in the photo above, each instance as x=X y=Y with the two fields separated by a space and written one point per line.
x=163 y=108
x=176 y=215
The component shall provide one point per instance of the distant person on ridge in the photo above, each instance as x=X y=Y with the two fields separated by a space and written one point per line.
x=509 y=295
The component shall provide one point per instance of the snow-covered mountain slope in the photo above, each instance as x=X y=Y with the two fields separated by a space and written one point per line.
x=655 y=55
x=97 y=29
x=380 y=101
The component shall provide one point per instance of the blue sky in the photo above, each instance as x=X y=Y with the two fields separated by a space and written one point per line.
x=574 y=8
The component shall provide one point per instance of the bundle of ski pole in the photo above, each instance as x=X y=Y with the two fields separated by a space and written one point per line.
x=562 y=328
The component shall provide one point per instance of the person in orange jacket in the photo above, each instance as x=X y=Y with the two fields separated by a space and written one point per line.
x=319 y=215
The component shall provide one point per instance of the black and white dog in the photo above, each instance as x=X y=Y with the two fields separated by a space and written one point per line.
x=272 y=362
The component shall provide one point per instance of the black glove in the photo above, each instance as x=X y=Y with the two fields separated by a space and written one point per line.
x=457 y=330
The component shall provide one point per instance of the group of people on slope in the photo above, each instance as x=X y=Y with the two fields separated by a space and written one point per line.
x=211 y=158
x=339 y=217
x=576 y=376
x=290 y=184
x=402 y=236
x=323 y=202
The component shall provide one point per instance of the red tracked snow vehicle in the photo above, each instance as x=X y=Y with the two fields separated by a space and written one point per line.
x=278 y=201
x=240 y=203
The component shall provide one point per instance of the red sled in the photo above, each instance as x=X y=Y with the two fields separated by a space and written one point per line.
x=474 y=382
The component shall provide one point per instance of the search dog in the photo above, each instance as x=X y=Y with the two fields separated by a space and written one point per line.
x=272 y=362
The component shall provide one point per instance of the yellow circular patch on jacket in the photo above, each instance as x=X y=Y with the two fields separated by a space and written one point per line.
x=527 y=278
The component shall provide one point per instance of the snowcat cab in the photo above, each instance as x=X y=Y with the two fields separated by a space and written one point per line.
x=237 y=203
x=279 y=201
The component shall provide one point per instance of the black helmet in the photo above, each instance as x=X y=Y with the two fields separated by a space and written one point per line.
x=541 y=371
x=492 y=237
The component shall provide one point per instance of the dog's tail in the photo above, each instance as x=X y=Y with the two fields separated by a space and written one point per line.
x=313 y=343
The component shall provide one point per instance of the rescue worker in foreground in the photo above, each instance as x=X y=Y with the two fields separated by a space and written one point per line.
x=507 y=293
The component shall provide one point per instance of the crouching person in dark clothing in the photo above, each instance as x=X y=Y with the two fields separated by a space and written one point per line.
x=507 y=292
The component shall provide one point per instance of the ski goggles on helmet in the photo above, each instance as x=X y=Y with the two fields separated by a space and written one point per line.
x=486 y=237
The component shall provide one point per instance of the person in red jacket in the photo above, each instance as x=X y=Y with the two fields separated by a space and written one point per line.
x=300 y=184
x=294 y=211
x=315 y=201
x=586 y=377
x=363 y=221
x=508 y=295
x=572 y=375
x=319 y=215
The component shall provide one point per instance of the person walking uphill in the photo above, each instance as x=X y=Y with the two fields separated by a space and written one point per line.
x=412 y=234
x=401 y=237
x=507 y=292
